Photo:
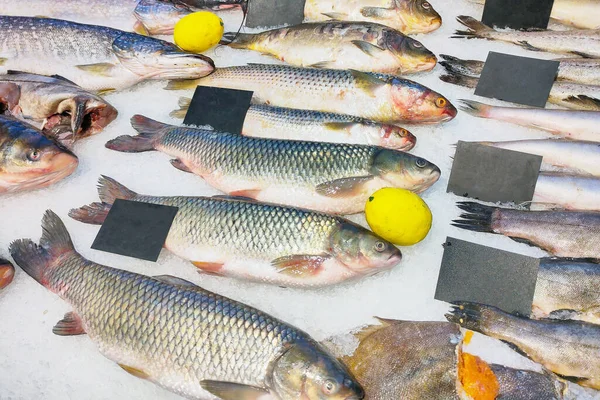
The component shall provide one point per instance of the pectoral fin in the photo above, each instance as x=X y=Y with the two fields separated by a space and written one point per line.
x=101 y=69
x=134 y=371
x=249 y=193
x=368 y=48
x=374 y=11
x=70 y=325
x=233 y=391
x=338 y=126
x=369 y=83
x=343 y=187
x=103 y=92
x=173 y=280
x=177 y=163
x=336 y=15
x=140 y=29
x=300 y=265
x=322 y=64
x=584 y=102
x=208 y=267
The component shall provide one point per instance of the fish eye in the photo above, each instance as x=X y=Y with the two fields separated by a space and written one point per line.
x=403 y=132
x=380 y=246
x=440 y=102
x=426 y=5
x=421 y=163
x=417 y=45
x=329 y=387
x=33 y=155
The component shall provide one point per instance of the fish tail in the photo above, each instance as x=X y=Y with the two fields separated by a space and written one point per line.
x=182 y=84
x=468 y=315
x=476 y=28
x=475 y=108
x=150 y=132
x=184 y=105
x=458 y=66
x=460 y=80
x=109 y=190
x=94 y=213
x=237 y=40
x=477 y=218
x=36 y=259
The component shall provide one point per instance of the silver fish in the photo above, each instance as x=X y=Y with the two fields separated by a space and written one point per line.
x=328 y=177
x=560 y=233
x=94 y=57
x=571 y=192
x=173 y=333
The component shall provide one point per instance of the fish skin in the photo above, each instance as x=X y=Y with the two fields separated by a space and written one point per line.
x=327 y=177
x=218 y=4
x=29 y=160
x=43 y=100
x=94 y=57
x=7 y=273
x=570 y=192
x=174 y=333
x=561 y=42
x=361 y=46
x=568 y=124
x=516 y=384
x=569 y=287
x=407 y=16
x=566 y=156
x=567 y=348
x=248 y=237
x=316 y=126
x=379 y=97
x=560 y=233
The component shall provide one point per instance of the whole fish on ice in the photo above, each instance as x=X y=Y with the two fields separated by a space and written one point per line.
x=379 y=97
x=407 y=16
x=7 y=273
x=94 y=57
x=571 y=192
x=328 y=177
x=28 y=159
x=171 y=332
x=316 y=126
x=362 y=46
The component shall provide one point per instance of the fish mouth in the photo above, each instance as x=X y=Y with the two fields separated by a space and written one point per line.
x=449 y=113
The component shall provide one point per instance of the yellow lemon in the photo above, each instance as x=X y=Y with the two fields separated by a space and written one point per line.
x=398 y=215
x=198 y=31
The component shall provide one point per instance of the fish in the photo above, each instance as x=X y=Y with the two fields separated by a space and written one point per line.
x=406 y=16
x=587 y=41
x=567 y=289
x=259 y=242
x=177 y=335
x=316 y=126
x=363 y=46
x=578 y=13
x=29 y=159
x=568 y=124
x=94 y=57
x=518 y=384
x=567 y=156
x=570 y=192
x=328 y=177
x=567 y=348
x=379 y=97
x=564 y=94
x=218 y=5
x=558 y=232
x=7 y=273
x=148 y=17
x=48 y=102
x=585 y=71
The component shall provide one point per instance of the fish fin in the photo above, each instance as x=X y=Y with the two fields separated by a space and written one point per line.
x=581 y=54
x=3 y=60
x=237 y=40
x=585 y=102
x=182 y=84
x=478 y=217
x=367 y=330
x=475 y=108
x=563 y=314
x=134 y=371
x=374 y=11
x=248 y=193
x=575 y=379
x=322 y=64
x=232 y=391
x=368 y=48
x=524 y=241
x=344 y=186
x=35 y=259
x=515 y=348
x=104 y=92
x=177 y=163
x=173 y=280
x=454 y=64
x=184 y=105
x=527 y=46
x=109 y=190
x=101 y=69
x=150 y=132
x=460 y=80
x=140 y=29
x=94 y=213
x=338 y=126
x=338 y=16
x=369 y=83
x=238 y=198
x=476 y=28
x=59 y=77
x=299 y=265
x=208 y=267
x=70 y=325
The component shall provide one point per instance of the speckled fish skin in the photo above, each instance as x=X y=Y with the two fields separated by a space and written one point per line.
x=260 y=242
x=316 y=126
x=176 y=334
x=517 y=384
x=568 y=348
x=361 y=46
x=568 y=288
x=94 y=57
x=407 y=16
x=327 y=177
x=560 y=233
x=570 y=192
x=382 y=98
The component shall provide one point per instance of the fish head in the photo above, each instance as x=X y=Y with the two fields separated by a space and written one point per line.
x=7 y=273
x=419 y=16
x=30 y=160
x=86 y=115
x=397 y=138
x=158 y=17
x=152 y=58
x=362 y=251
x=419 y=103
x=404 y=170
x=306 y=371
x=412 y=53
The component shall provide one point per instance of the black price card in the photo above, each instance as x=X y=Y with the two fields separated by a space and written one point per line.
x=272 y=13
x=517 y=14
